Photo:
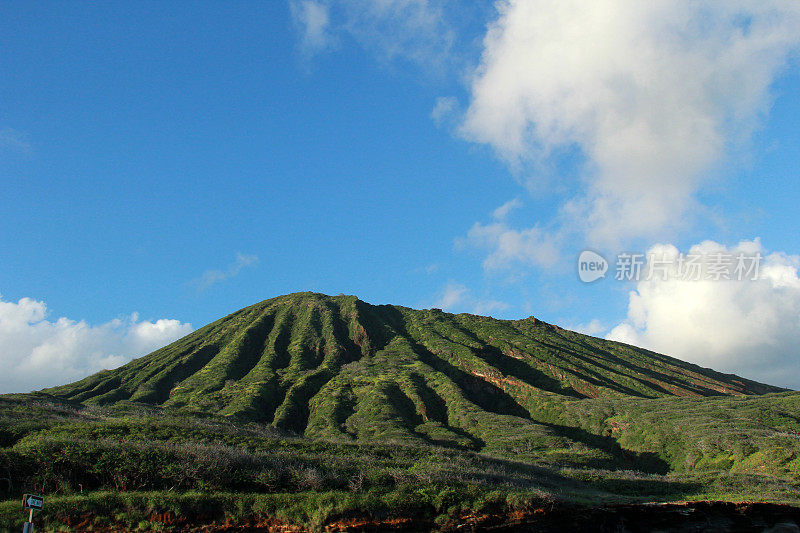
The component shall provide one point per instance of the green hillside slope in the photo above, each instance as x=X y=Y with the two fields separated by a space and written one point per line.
x=339 y=368
x=309 y=362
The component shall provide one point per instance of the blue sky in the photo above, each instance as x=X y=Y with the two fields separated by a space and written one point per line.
x=165 y=164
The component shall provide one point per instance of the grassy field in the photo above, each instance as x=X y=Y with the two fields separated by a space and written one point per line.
x=126 y=464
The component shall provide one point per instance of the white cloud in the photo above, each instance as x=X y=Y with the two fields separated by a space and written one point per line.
x=37 y=352
x=456 y=297
x=508 y=247
x=751 y=328
x=211 y=277
x=414 y=30
x=502 y=212
x=651 y=92
x=453 y=294
x=312 y=19
x=487 y=307
x=444 y=110
x=594 y=328
x=411 y=30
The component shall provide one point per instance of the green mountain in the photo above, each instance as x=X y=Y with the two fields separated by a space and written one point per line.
x=308 y=362
x=414 y=413
x=339 y=368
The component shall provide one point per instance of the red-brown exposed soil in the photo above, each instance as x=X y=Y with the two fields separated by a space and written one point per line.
x=680 y=516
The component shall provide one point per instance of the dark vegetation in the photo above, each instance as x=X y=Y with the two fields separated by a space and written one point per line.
x=311 y=409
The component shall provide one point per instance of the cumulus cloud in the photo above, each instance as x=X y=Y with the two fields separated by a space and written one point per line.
x=312 y=19
x=751 y=328
x=456 y=297
x=37 y=352
x=507 y=247
x=652 y=93
x=212 y=277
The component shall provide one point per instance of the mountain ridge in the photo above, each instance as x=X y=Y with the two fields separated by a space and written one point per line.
x=267 y=362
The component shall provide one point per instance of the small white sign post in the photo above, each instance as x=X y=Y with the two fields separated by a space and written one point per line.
x=33 y=503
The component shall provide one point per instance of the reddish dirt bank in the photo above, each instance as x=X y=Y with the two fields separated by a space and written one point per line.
x=683 y=516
